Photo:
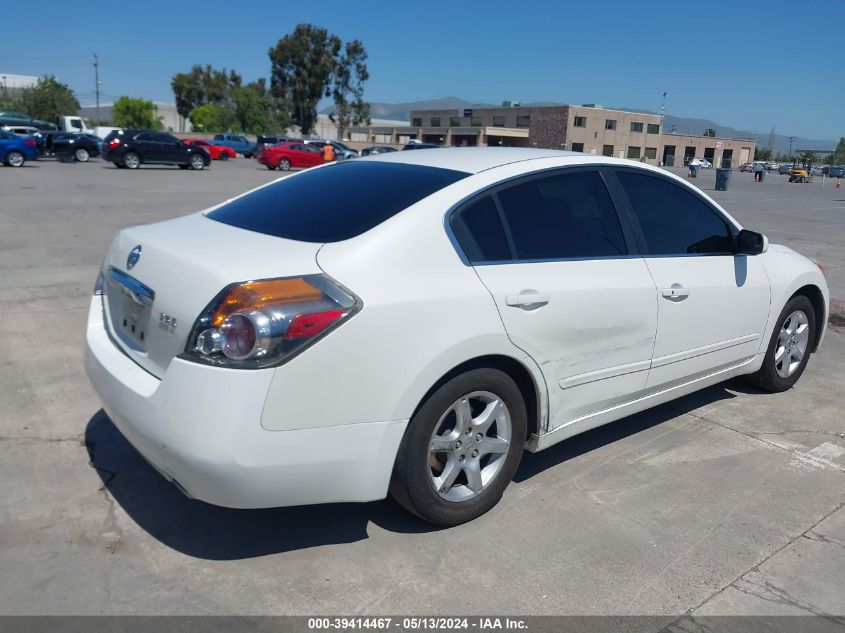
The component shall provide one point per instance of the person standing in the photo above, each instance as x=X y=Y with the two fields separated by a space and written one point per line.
x=758 y=171
x=328 y=152
x=694 y=166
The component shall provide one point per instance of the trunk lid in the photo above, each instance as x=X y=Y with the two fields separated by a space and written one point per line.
x=182 y=264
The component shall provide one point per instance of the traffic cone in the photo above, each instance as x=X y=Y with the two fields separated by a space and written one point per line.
x=838 y=184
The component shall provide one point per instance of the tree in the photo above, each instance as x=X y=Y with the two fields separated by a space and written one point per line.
x=302 y=64
x=255 y=110
x=839 y=152
x=202 y=85
x=710 y=132
x=213 y=117
x=48 y=99
x=135 y=113
x=350 y=73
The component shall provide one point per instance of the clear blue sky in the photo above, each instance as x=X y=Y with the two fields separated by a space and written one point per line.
x=748 y=65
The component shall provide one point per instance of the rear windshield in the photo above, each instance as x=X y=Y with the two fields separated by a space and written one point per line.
x=336 y=202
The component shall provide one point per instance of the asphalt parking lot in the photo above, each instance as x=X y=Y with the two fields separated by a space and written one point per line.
x=727 y=501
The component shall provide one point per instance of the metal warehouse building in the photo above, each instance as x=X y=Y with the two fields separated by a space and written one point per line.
x=588 y=128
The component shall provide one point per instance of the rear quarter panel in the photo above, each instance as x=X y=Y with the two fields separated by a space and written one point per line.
x=424 y=312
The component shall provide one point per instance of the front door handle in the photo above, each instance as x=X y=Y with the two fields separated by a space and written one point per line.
x=676 y=292
x=527 y=301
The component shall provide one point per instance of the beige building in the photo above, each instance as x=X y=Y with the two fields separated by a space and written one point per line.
x=589 y=128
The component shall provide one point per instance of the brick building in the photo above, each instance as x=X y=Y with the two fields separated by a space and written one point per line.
x=588 y=128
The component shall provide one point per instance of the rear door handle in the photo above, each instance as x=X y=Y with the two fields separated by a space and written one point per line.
x=527 y=301
x=677 y=291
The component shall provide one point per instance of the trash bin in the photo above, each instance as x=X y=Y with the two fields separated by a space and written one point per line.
x=723 y=179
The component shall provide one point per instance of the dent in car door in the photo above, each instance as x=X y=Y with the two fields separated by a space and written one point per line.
x=713 y=303
x=568 y=291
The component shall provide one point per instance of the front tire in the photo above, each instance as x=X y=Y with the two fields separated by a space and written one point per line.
x=81 y=155
x=284 y=164
x=461 y=448
x=196 y=162
x=789 y=348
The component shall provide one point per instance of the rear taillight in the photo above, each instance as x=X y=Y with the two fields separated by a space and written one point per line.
x=114 y=143
x=264 y=323
x=30 y=142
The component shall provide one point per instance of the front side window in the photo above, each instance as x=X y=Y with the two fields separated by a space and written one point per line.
x=675 y=221
x=567 y=215
x=478 y=229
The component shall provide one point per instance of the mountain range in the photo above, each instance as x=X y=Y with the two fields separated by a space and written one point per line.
x=681 y=125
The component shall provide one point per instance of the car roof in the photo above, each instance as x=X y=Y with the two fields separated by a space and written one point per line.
x=477 y=159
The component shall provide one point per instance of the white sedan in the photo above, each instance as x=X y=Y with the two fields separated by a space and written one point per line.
x=411 y=322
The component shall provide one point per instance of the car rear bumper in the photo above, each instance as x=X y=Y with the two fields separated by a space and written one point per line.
x=200 y=426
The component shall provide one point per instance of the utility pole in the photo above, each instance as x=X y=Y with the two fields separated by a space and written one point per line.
x=97 y=84
x=791 y=139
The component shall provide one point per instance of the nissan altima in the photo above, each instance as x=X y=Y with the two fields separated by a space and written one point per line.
x=409 y=323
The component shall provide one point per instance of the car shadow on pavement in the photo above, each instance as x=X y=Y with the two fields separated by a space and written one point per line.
x=210 y=532
x=534 y=463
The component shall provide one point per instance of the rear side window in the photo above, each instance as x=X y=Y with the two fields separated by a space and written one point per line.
x=566 y=215
x=478 y=229
x=675 y=221
x=334 y=203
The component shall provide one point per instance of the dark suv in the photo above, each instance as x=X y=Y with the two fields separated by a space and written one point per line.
x=132 y=148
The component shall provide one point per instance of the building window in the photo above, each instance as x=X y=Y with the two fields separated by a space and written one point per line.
x=577 y=147
x=580 y=121
x=636 y=126
x=435 y=121
x=498 y=121
x=475 y=121
x=651 y=152
x=653 y=128
x=455 y=121
x=416 y=121
x=523 y=121
x=610 y=124
x=633 y=152
x=607 y=150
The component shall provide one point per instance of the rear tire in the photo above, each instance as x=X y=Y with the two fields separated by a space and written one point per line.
x=284 y=164
x=479 y=421
x=15 y=159
x=131 y=160
x=81 y=155
x=789 y=348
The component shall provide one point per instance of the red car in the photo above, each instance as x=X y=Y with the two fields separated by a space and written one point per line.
x=217 y=152
x=291 y=154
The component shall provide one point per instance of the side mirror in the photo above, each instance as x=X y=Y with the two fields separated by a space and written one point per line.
x=751 y=243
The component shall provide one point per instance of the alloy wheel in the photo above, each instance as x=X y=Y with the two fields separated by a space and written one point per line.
x=15 y=159
x=793 y=339
x=469 y=446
